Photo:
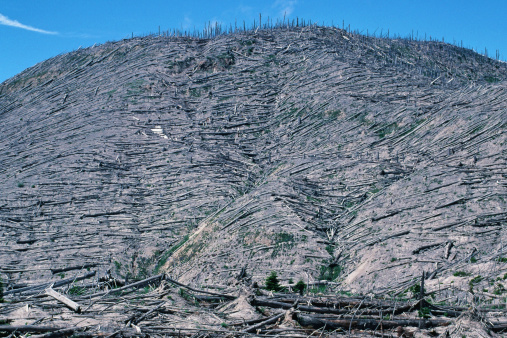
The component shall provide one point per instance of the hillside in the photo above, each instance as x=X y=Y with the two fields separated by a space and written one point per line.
x=312 y=152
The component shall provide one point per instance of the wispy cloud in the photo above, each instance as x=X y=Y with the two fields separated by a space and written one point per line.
x=285 y=7
x=187 y=23
x=245 y=9
x=13 y=23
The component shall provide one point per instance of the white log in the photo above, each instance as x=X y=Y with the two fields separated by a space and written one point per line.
x=61 y=298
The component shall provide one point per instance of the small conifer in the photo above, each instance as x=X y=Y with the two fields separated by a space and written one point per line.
x=300 y=287
x=272 y=282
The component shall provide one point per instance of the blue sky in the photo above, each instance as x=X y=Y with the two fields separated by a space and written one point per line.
x=34 y=30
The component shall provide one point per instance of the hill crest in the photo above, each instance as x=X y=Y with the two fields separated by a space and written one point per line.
x=312 y=152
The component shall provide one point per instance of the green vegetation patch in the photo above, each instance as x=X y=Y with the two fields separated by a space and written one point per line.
x=461 y=274
x=412 y=127
x=474 y=281
x=330 y=249
x=499 y=289
x=318 y=289
x=169 y=252
x=226 y=60
x=491 y=79
x=424 y=312
x=334 y=114
x=195 y=92
x=282 y=240
x=283 y=237
x=329 y=272
x=415 y=290
x=477 y=129
x=76 y=290
x=386 y=129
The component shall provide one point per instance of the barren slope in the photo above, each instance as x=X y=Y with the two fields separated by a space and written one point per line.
x=311 y=152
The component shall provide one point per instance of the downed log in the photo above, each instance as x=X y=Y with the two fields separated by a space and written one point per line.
x=448 y=312
x=63 y=333
x=248 y=322
x=426 y=247
x=136 y=320
x=285 y=306
x=272 y=304
x=70 y=268
x=28 y=328
x=209 y=299
x=61 y=298
x=268 y=321
x=126 y=287
x=200 y=291
x=119 y=212
x=316 y=322
x=375 y=241
x=448 y=248
x=389 y=214
x=498 y=327
x=37 y=288
x=458 y=201
x=338 y=306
